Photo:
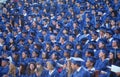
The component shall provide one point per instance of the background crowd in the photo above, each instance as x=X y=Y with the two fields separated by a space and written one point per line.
x=39 y=37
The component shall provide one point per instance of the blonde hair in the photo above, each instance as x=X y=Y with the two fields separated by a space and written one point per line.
x=12 y=70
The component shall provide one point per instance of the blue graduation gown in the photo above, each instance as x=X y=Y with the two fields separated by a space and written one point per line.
x=102 y=66
x=81 y=73
x=4 y=70
x=54 y=74
x=63 y=73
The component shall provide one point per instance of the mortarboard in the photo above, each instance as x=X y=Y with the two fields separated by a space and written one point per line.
x=52 y=62
x=91 y=59
x=77 y=61
x=5 y=59
x=110 y=31
x=104 y=51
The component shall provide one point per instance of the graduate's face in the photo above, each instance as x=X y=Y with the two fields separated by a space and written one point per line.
x=118 y=55
x=32 y=66
x=108 y=35
x=54 y=56
x=49 y=66
x=101 y=45
x=78 y=47
x=89 y=64
x=101 y=54
x=24 y=55
x=114 y=44
x=4 y=63
x=43 y=55
x=34 y=54
x=111 y=55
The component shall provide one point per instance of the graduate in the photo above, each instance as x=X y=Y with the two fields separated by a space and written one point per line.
x=22 y=70
x=4 y=68
x=79 y=71
x=90 y=66
x=40 y=69
x=52 y=71
x=31 y=69
x=102 y=63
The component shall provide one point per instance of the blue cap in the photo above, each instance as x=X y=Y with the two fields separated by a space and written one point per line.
x=104 y=41
x=57 y=44
x=91 y=59
x=91 y=51
x=67 y=51
x=55 y=53
x=95 y=33
x=110 y=31
x=77 y=61
x=104 y=51
x=52 y=63
x=103 y=29
x=40 y=62
x=5 y=59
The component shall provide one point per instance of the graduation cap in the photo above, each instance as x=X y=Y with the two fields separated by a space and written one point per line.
x=40 y=62
x=102 y=29
x=104 y=41
x=91 y=59
x=5 y=60
x=66 y=51
x=77 y=61
x=90 y=51
x=118 y=51
x=95 y=33
x=52 y=63
x=110 y=31
x=104 y=51
x=57 y=44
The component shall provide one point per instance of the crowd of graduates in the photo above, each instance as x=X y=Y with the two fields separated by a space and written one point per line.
x=59 y=38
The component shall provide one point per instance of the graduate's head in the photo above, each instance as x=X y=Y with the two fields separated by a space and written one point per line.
x=89 y=52
x=109 y=33
x=76 y=63
x=66 y=53
x=30 y=40
x=65 y=30
x=54 y=56
x=103 y=53
x=44 y=55
x=78 y=46
x=92 y=45
x=94 y=35
x=35 y=54
x=69 y=46
x=118 y=53
x=32 y=66
x=39 y=64
x=72 y=38
x=51 y=64
x=102 y=43
x=24 y=54
x=112 y=54
x=115 y=43
x=78 y=54
x=56 y=46
x=90 y=62
x=4 y=62
x=15 y=56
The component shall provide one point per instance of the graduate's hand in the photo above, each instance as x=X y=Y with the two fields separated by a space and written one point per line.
x=118 y=73
x=103 y=72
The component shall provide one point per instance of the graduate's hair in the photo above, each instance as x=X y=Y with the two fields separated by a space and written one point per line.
x=12 y=70
x=29 y=71
x=23 y=69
